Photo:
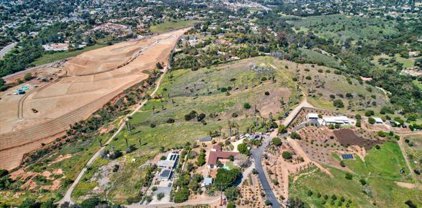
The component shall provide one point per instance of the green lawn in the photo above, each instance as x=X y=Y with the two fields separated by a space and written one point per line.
x=56 y=56
x=380 y=170
x=171 y=25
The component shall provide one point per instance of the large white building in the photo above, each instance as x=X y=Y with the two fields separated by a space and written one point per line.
x=330 y=120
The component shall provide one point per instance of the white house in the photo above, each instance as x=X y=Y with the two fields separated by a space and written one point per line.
x=340 y=120
x=170 y=162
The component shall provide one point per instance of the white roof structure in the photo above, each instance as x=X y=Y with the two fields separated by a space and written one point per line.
x=378 y=120
x=170 y=161
x=207 y=181
x=313 y=116
x=326 y=120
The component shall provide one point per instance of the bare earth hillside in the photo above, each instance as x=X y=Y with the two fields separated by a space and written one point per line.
x=90 y=81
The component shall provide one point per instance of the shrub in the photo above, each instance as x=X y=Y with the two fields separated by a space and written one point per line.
x=247 y=106
x=181 y=195
x=27 y=77
x=295 y=135
x=287 y=155
x=160 y=196
x=371 y=120
x=282 y=129
x=243 y=149
x=349 y=176
x=338 y=103
x=276 y=141
x=369 y=113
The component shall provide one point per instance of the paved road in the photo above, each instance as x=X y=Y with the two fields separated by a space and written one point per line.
x=257 y=156
x=258 y=152
x=68 y=196
x=6 y=49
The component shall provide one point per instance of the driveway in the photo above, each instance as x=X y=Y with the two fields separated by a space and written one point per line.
x=257 y=156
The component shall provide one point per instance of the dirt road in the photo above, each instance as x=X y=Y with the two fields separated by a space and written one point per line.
x=68 y=196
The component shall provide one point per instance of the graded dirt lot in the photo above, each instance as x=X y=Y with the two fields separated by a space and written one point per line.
x=90 y=81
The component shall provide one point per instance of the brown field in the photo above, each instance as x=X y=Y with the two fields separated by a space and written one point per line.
x=92 y=79
x=347 y=137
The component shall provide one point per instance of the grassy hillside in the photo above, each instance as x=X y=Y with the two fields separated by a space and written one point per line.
x=218 y=92
x=342 y=27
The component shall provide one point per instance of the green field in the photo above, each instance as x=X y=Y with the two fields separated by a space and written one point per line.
x=381 y=169
x=56 y=56
x=321 y=59
x=171 y=25
x=413 y=148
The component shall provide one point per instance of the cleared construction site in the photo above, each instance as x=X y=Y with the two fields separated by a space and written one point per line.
x=85 y=84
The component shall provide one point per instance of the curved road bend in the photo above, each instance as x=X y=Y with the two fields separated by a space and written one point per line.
x=68 y=195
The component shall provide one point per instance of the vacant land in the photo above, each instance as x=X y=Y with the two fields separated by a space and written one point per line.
x=372 y=183
x=219 y=93
x=323 y=85
x=171 y=25
x=93 y=78
x=52 y=57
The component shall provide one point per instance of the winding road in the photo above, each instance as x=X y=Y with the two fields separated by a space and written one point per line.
x=258 y=152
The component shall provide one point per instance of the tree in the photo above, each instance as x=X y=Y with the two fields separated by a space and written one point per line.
x=226 y=178
x=231 y=193
x=295 y=203
x=338 y=103
x=231 y=205
x=29 y=203
x=371 y=120
x=90 y=202
x=295 y=135
x=247 y=106
x=369 y=113
x=181 y=195
x=243 y=149
x=2 y=85
x=276 y=141
x=282 y=129
x=201 y=158
x=28 y=76
x=287 y=155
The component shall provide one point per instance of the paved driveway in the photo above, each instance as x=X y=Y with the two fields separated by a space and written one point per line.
x=257 y=156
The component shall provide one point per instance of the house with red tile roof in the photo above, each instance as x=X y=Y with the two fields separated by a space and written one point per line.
x=216 y=154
